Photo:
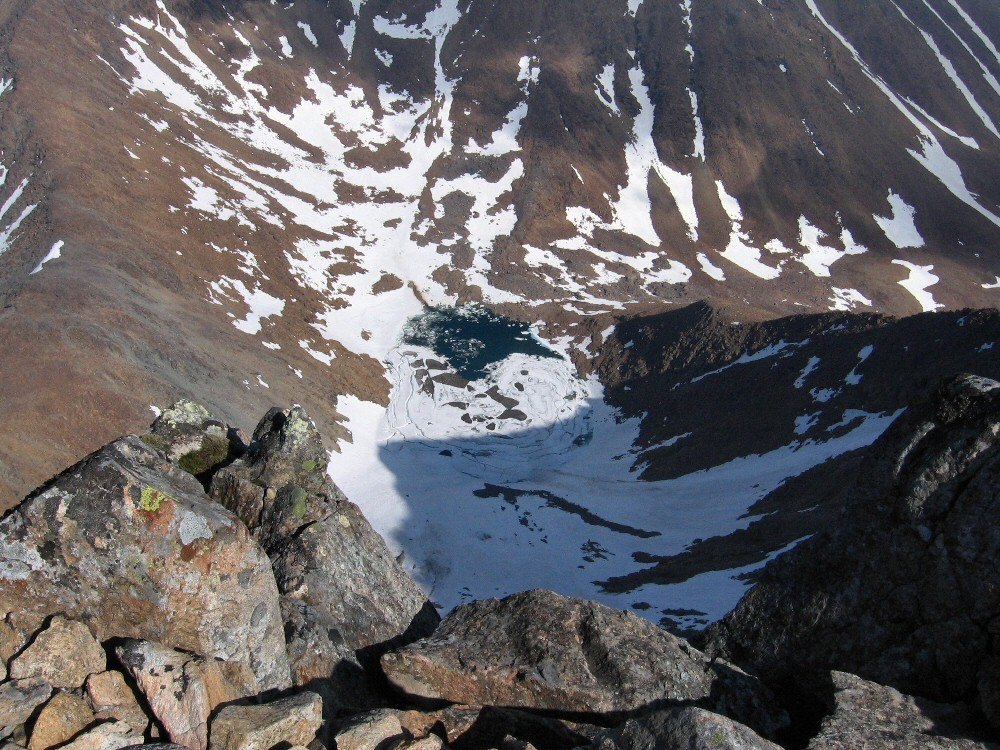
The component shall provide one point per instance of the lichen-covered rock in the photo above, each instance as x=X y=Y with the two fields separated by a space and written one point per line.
x=112 y=698
x=178 y=698
x=182 y=689
x=131 y=545
x=64 y=654
x=902 y=590
x=541 y=650
x=352 y=600
x=875 y=717
x=193 y=439
x=288 y=721
x=685 y=727
x=63 y=717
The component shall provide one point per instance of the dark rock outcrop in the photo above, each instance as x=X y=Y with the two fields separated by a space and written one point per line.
x=345 y=598
x=541 y=650
x=129 y=544
x=903 y=589
x=867 y=715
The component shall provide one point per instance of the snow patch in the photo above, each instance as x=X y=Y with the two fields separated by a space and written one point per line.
x=845 y=299
x=308 y=33
x=54 y=252
x=899 y=227
x=918 y=282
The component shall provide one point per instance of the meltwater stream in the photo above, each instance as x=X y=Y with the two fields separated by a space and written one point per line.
x=496 y=469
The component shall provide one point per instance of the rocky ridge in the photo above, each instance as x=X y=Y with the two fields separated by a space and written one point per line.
x=902 y=589
x=341 y=650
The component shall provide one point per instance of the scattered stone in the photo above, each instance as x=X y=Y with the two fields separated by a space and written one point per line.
x=683 y=727
x=512 y=743
x=112 y=698
x=898 y=590
x=130 y=544
x=108 y=736
x=175 y=688
x=293 y=720
x=64 y=654
x=62 y=718
x=874 y=717
x=20 y=698
x=353 y=600
x=456 y=721
x=489 y=726
x=369 y=730
x=430 y=742
x=160 y=746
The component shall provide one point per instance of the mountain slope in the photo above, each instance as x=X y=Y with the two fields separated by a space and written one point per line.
x=244 y=202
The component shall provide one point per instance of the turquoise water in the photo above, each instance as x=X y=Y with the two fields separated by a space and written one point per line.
x=471 y=338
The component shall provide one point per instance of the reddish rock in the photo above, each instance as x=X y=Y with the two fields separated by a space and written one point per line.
x=63 y=717
x=64 y=654
x=131 y=544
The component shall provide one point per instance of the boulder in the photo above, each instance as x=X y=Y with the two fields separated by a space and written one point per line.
x=347 y=600
x=541 y=650
x=288 y=721
x=901 y=590
x=19 y=699
x=111 y=735
x=112 y=698
x=875 y=717
x=370 y=730
x=174 y=689
x=182 y=689
x=131 y=545
x=685 y=727
x=63 y=717
x=64 y=654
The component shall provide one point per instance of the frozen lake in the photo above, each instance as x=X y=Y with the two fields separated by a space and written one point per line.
x=521 y=476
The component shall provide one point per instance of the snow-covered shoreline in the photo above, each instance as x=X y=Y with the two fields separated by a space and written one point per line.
x=549 y=501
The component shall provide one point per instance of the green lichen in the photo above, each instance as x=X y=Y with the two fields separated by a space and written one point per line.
x=298 y=427
x=151 y=499
x=155 y=442
x=300 y=503
x=718 y=738
x=212 y=452
x=185 y=412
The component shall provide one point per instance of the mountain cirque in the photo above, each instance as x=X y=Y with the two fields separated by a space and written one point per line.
x=220 y=197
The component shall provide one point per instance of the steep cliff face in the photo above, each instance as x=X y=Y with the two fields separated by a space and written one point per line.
x=211 y=198
x=902 y=588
